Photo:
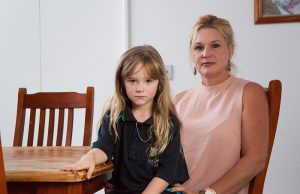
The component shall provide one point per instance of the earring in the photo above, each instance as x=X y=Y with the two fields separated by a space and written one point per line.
x=228 y=68
x=194 y=70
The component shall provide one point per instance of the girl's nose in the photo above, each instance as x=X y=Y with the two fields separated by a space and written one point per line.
x=139 y=88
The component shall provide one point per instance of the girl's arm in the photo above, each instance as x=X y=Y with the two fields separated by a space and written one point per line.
x=87 y=161
x=156 y=186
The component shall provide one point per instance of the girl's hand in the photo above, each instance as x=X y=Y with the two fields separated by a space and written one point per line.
x=85 y=162
x=88 y=161
x=181 y=188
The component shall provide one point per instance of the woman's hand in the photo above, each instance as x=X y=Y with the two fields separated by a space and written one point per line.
x=181 y=188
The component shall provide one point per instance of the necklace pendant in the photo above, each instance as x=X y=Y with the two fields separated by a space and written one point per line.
x=137 y=130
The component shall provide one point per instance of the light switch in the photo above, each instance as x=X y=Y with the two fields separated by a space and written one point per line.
x=169 y=71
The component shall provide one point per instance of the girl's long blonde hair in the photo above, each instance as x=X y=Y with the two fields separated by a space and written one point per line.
x=163 y=107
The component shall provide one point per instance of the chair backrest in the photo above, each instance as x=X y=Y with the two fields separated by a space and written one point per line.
x=50 y=103
x=3 y=185
x=274 y=97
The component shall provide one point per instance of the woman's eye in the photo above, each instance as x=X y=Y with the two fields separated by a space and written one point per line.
x=215 y=45
x=198 y=48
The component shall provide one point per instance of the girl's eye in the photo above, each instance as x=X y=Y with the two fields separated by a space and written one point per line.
x=131 y=81
x=215 y=45
x=149 y=81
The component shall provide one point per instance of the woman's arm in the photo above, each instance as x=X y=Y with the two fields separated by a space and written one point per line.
x=87 y=161
x=255 y=125
x=156 y=186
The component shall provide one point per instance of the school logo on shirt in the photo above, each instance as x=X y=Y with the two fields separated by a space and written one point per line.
x=152 y=156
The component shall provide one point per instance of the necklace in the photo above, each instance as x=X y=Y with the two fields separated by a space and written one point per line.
x=137 y=130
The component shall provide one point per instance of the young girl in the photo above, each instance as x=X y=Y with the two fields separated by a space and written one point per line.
x=140 y=131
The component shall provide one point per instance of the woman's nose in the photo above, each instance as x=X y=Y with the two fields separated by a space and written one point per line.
x=205 y=52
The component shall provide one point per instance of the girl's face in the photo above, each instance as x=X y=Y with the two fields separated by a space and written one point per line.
x=211 y=55
x=140 y=88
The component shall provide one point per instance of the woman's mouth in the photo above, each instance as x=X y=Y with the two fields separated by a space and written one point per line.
x=207 y=63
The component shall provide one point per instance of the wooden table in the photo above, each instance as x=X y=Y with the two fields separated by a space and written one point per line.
x=36 y=170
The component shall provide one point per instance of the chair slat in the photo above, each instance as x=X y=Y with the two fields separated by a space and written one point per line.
x=69 y=126
x=60 y=126
x=89 y=114
x=31 y=127
x=51 y=127
x=41 y=127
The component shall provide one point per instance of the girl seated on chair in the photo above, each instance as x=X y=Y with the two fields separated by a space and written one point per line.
x=139 y=131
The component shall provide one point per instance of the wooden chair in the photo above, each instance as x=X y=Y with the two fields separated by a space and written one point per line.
x=3 y=185
x=51 y=103
x=274 y=97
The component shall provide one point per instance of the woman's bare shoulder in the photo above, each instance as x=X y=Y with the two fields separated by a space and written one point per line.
x=178 y=96
x=252 y=88
x=254 y=92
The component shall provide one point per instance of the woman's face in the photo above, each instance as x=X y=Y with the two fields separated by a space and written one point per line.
x=211 y=55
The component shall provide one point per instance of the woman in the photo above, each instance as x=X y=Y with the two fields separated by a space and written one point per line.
x=225 y=118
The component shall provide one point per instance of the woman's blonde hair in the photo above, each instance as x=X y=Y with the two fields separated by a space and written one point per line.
x=214 y=22
x=162 y=108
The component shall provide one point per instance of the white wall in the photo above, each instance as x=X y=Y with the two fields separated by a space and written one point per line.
x=69 y=44
x=57 y=45
x=19 y=58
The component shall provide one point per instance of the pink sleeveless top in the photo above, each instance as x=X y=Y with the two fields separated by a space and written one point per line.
x=211 y=133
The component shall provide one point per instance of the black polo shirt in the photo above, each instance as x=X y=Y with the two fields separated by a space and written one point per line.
x=132 y=168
